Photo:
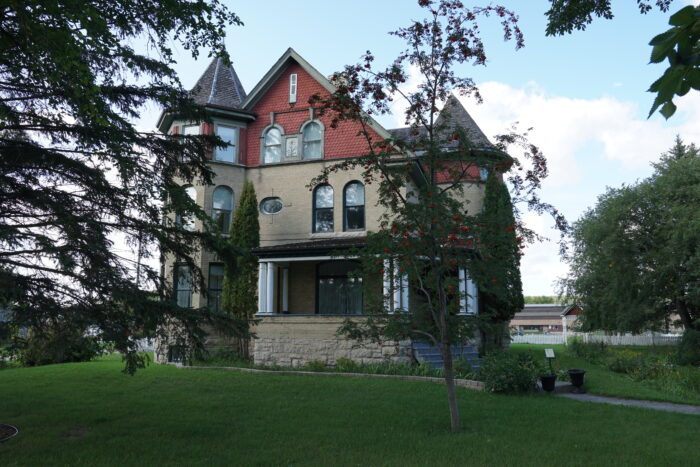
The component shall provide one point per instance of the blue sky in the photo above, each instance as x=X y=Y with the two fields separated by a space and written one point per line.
x=584 y=94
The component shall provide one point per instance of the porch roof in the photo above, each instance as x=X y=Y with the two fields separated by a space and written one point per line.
x=311 y=248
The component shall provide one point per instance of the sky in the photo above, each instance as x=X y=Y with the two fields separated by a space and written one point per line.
x=583 y=94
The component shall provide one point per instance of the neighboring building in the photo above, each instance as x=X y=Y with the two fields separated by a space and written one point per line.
x=550 y=318
x=277 y=141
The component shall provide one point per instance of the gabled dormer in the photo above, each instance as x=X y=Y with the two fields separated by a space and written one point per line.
x=287 y=128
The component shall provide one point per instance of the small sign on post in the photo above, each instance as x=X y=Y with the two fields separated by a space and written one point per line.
x=549 y=355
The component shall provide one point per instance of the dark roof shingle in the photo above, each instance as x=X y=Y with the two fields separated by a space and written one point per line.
x=219 y=85
x=452 y=116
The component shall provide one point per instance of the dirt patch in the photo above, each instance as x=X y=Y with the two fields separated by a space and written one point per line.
x=75 y=432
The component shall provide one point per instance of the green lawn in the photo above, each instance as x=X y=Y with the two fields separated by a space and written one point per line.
x=600 y=380
x=91 y=414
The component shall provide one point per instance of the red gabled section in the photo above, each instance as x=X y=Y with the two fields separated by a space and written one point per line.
x=339 y=142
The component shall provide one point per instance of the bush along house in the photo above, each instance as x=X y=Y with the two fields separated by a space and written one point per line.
x=279 y=142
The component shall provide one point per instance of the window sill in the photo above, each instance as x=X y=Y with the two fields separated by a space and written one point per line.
x=290 y=162
x=231 y=164
x=354 y=233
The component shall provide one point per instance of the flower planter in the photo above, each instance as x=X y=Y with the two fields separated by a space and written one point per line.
x=548 y=382
x=576 y=377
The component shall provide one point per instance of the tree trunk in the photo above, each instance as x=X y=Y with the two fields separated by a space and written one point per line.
x=450 y=383
x=684 y=314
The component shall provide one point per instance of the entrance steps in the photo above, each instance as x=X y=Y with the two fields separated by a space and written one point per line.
x=429 y=354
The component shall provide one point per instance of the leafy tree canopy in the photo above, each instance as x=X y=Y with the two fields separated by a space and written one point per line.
x=680 y=45
x=634 y=261
x=76 y=176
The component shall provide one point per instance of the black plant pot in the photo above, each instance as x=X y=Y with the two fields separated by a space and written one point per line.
x=548 y=382
x=576 y=377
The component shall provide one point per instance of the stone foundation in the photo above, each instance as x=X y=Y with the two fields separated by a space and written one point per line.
x=295 y=340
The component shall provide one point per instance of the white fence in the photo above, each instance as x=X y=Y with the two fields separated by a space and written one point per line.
x=649 y=338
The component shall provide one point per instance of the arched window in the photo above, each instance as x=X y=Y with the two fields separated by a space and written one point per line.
x=272 y=146
x=323 y=209
x=312 y=140
x=354 y=206
x=222 y=207
x=187 y=221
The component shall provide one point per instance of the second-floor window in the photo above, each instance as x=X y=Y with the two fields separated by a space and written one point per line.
x=354 y=206
x=222 y=208
x=272 y=146
x=312 y=141
x=230 y=135
x=183 y=285
x=323 y=209
x=186 y=221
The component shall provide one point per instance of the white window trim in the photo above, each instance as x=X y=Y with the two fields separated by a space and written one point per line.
x=236 y=152
x=262 y=144
x=293 y=84
x=301 y=139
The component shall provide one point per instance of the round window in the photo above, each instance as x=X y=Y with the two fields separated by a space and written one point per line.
x=271 y=205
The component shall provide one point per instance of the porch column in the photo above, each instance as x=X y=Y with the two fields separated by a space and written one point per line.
x=285 y=289
x=400 y=295
x=564 y=329
x=463 y=291
x=262 y=287
x=270 y=289
x=387 y=290
x=473 y=301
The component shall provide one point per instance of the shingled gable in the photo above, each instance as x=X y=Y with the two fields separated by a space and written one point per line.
x=219 y=86
x=290 y=55
x=453 y=115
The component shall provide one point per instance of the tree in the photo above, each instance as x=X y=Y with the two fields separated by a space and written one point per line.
x=680 y=45
x=241 y=274
x=428 y=233
x=634 y=260
x=499 y=272
x=76 y=176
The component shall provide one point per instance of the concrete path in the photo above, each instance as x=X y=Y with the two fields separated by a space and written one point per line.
x=666 y=406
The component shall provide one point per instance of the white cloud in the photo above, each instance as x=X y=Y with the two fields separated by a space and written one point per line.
x=563 y=125
x=566 y=129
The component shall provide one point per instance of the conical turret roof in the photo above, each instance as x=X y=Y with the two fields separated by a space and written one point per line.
x=219 y=85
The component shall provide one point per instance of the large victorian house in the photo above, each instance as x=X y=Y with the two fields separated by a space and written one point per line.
x=279 y=143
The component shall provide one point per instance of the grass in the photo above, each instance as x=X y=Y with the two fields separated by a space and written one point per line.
x=91 y=414
x=600 y=380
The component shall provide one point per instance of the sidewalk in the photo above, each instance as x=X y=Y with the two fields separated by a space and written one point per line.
x=666 y=406
x=563 y=389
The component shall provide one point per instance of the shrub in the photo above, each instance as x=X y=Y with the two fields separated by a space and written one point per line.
x=61 y=345
x=688 y=352
x=624 y=361
x=315 y=365
x=222 y=357
x=345 y=365
x=510 y=373
x=593 y=352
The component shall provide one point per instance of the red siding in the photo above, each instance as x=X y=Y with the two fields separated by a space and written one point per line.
x=340 y=142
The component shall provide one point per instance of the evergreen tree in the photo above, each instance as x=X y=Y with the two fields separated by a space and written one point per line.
x=498 y=268
x=76 y=175
x=241 y=273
